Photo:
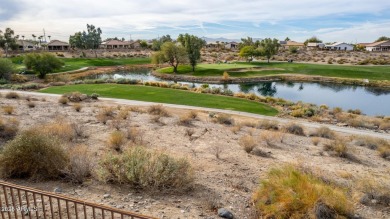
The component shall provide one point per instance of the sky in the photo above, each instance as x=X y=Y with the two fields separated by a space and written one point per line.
x=350 y=21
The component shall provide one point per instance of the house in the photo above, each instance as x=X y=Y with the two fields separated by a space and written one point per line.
x=288 y=44
x=135 y=44
x=340 y=46
x=379 y=46
x=56 y=45
x=25 y=45
x=231 y=45
x=114 y=44
x=313 y=46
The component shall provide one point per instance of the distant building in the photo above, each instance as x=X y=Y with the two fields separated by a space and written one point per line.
x=118 y=44
x=340 y=46
x=379 y=46
x=315 y=45
x=56 y=45
x=231 y=45
x=25 y=45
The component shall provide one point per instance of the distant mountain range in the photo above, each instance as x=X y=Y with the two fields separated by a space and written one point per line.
x=222 y=39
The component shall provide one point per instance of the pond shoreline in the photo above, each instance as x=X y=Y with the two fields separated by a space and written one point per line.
x=281 y=77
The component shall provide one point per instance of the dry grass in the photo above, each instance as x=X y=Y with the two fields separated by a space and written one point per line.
x=271 y=138
x=188 y=118
x=33 y=154
x=105 y=114
x=63 y=100
x=80 y=164
x=142 y=168
x=134 y=135
x=8 y=128
x=116 y=140
x=290 y=193
x=77 y=107
x=324 y=132
x=158 y=110
x=224 y=119
x=8 y=109
x=12 y=95
x=247 y=142
x=237 y=128
x=31 y=104
x=315 y=140
x=339 y=148
x=117 y=123
x=268 y=125
x=157 y=119
x=374 y=189
x=370 y=142
x=384 y=125
x=295 y=129
x=59 y=128
x=123 y=114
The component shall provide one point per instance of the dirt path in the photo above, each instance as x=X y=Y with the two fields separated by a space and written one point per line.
x=308 y=124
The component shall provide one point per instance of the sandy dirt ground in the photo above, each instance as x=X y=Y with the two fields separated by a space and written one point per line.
x=229 y=180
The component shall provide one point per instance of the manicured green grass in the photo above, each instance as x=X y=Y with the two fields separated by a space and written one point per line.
x=166 y=95
x=71 y=64
x=358 y=72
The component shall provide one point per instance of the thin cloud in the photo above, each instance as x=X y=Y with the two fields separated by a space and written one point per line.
x=69 y=16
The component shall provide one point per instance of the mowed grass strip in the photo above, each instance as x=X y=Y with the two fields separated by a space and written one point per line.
x=274 y=68
x=165 y=95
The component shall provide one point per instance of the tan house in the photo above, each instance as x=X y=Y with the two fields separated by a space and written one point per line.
x=379 y=46
x=118 y=44
x=25 y=45
x=56 y=45
x=231 y=45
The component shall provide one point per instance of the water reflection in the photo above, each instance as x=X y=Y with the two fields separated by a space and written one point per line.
x=372 y=101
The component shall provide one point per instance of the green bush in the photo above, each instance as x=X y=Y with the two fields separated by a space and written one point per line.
x=33 y=155
x=42 y=63
x=142 y=168
x=6 y=69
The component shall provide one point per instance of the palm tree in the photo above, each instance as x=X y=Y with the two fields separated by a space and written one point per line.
x=49 y=38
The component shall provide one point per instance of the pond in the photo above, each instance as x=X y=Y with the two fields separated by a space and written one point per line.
x=370 y=100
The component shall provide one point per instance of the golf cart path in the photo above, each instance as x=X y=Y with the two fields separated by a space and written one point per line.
x=346 y=130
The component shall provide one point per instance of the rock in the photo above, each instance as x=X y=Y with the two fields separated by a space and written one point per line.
x=222 y=212
x=83 y=97
x=374 y=201
x=365 y=199
x=57 y=190
x=106 y=196
x=322 y=211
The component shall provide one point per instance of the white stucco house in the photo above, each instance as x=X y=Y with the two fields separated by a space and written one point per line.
x=378 y=46
x=340 y=46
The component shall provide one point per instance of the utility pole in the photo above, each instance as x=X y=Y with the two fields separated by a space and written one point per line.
x=44 y=34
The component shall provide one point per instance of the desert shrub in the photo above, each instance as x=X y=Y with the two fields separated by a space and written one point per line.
x=80 y=164
x=142 y=168
x=158 y=110
x=374 y=189
x=295 y=129
x=384 y=151
x=291 y=193
x=123 y=114
x=134 y=135
x=355 y=111
x=235 y=129
x=260 y=153
x=63 y=100
x=33 y=154
x=77 y=107
x=117 y=123
x=59 y=128
x=315 y=140
x=297 y=113
x=75 y=96
x=8 y=109
x=225 y=76
x=324 y=132
x=338 y=148
x=271 y=138
x=8 y=128
x=247 y=142
x=31 y=104
x=384 y=125
x=224 y=119
x=268 y=125
x=370 y=142
x=12 y=95
x=337 y=110
x=94 y=96
x=116 y=140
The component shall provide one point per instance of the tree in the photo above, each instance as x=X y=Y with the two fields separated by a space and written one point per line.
x=269 y=47
x=287 y=39
x=76 y=40
x=249 y=52
x=156 y=43
x=173 y=54
x=382 y=38
x=246 y=42
x=143 y=44
x=42 y=63
x=313 y=39
x=193 y=45
x=6 y=69
x=8 y=40
x=87 y=40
